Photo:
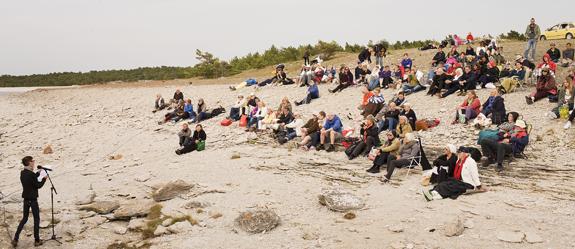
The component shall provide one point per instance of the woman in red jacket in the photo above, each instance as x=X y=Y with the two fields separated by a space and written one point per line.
x=545 y=86
x=470 y=107
x=547 y=63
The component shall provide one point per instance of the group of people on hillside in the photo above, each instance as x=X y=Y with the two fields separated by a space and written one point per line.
x=180 y=109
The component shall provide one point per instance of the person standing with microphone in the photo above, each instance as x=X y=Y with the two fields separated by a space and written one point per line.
x=30 y=186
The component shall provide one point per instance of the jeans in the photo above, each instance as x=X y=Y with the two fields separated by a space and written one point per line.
x=531 y=46
x=291 y=135
x=411 y=89
x=253 y=121
x=373 y=83
x=30 y=204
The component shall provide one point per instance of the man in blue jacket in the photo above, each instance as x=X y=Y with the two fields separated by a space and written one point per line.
x=312 y=93
x=332 y=127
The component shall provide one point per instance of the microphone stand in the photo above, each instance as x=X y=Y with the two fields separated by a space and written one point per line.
x=52 y=192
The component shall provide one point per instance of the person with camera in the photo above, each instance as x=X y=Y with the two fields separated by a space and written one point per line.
x=30 y=186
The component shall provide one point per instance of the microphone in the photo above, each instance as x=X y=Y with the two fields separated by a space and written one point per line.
x=48 y=169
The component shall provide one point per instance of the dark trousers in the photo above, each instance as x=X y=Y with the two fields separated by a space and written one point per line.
x=451 y=88
x=540 y=95
x=363 y=147
x=571 y=116
x=341 y=86
x=308 y=98
x=494 y=150
x=314 y=139
x=381 y=159
x=235 y=114
x=30 y=204
x=392 y=164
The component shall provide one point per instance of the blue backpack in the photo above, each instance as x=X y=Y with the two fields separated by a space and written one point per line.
x=251 y=82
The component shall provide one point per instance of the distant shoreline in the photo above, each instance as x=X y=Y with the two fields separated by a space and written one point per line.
x=10 y=90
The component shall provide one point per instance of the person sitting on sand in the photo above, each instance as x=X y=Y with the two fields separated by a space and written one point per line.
x=438 y=57
x=399 y=99
x=184 y=134
x=470 y=51
x=159 y=104
x=468 y=81
x=408 y=112
x=269 y=121
x=311 y=130
x=568 y=55
x=554 y=53
x=285 y=104
x=515 y=76
x=292 y=129
x=390 y=147
x=465 y=178
x=453 y=85
x=365 y=99
x=236 y=109
x=331 y=130
x=369 y=139
x=565 y=96
x=444 y=165
x=202 y=110
x=406 y=62
x=545 y=87
x=361 y=74
x=305 y=76
x=285 y=116
x=412 y=84
x=469 y=109
x=508 y=126
x=312 y=93
x=511 y=143
x=388 y=117
x=403 y=128
x=256 y=116
x=494 y=106
x=188 y=111
x=439 y=81
x=175 y=114
x=192 y=143
x=490 y=76
x=385 y=77
x=280 y=77
x=374 y=103
x=345 y=80
x=178 y=96
x=547 y=63
x=408 y=150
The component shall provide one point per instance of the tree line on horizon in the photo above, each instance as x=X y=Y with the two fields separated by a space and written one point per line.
x=210 y=66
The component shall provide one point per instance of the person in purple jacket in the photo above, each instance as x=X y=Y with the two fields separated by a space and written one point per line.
x=406 y=62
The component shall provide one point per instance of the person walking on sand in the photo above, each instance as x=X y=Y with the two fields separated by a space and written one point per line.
x=30 y=186
x=532 y=33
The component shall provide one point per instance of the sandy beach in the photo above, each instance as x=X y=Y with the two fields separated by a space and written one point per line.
x=530 y=205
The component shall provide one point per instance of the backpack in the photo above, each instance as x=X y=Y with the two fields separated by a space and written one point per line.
x=488 y=134
x=251 y=82
x=200 y=145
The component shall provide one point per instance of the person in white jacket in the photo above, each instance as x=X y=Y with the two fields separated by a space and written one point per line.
x=465 y=177
x=293 y=129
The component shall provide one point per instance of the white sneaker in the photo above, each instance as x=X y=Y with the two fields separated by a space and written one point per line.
x=478 y=87
x=490 y=86
x=567 y=125
x=551 y=115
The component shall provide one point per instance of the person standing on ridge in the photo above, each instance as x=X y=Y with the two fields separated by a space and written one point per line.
x=532 y=33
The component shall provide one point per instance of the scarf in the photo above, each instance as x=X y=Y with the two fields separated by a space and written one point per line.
x=459 y=168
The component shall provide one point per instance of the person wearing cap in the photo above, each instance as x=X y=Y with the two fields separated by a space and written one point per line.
x=510 y=143
x=525 y=62
x=331 y=130
x=444 y=165
x=532 y=32
x=554 y=53
x=369 y=139
x=465 y=178
x=390 y=147
x=345 y=79
x=545 y=86
x=408 y=150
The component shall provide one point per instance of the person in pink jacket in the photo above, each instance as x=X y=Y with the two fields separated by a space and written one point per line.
x=470 y=107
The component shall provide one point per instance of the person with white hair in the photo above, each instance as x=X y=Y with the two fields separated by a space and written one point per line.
x=408 y=112
x=444 y=165
x=465 y=177
x=407 y=151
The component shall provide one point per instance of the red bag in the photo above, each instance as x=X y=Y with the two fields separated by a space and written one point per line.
x=226 y=122
x=243 y=121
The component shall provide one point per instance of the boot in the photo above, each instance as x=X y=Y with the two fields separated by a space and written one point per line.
x=319 y=147
x=374 y=169
x=330 y=148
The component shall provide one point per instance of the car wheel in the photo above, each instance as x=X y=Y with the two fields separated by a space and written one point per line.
x=569 y=36
x=542 y=38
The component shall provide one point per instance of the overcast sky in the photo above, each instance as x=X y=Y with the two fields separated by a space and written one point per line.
x=39 y=36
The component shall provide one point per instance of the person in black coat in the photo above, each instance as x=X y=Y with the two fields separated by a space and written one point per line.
x=554 y=53
x=468 y=81
x=438 y=82
x=345 y=80
x=444 y=165
x=191 y=144
x=438 y=57
x=364 y=55
x=30 y=186
x=495 y=105
x=369 y=139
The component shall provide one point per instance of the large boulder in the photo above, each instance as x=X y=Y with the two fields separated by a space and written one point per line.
x=133 y=209
x=340 y=201
x=101 y=207
x=171 y=190
x=454 y=228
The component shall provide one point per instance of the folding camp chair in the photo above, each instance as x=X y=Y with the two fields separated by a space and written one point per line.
x=419 y=160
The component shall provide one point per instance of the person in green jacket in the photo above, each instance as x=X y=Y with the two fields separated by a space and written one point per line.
x=532 y=32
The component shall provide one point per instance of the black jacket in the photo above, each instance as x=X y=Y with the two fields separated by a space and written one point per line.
x=346 y=78
x=179 y=96
x=30 y=184
x=371 y=132
x=410 y=116
x=554 y=54
x=439 y=57
x=364 y=55
x=199 y=136
x=285 y=119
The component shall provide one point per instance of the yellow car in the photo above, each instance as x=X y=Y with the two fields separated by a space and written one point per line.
x=564 y=30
